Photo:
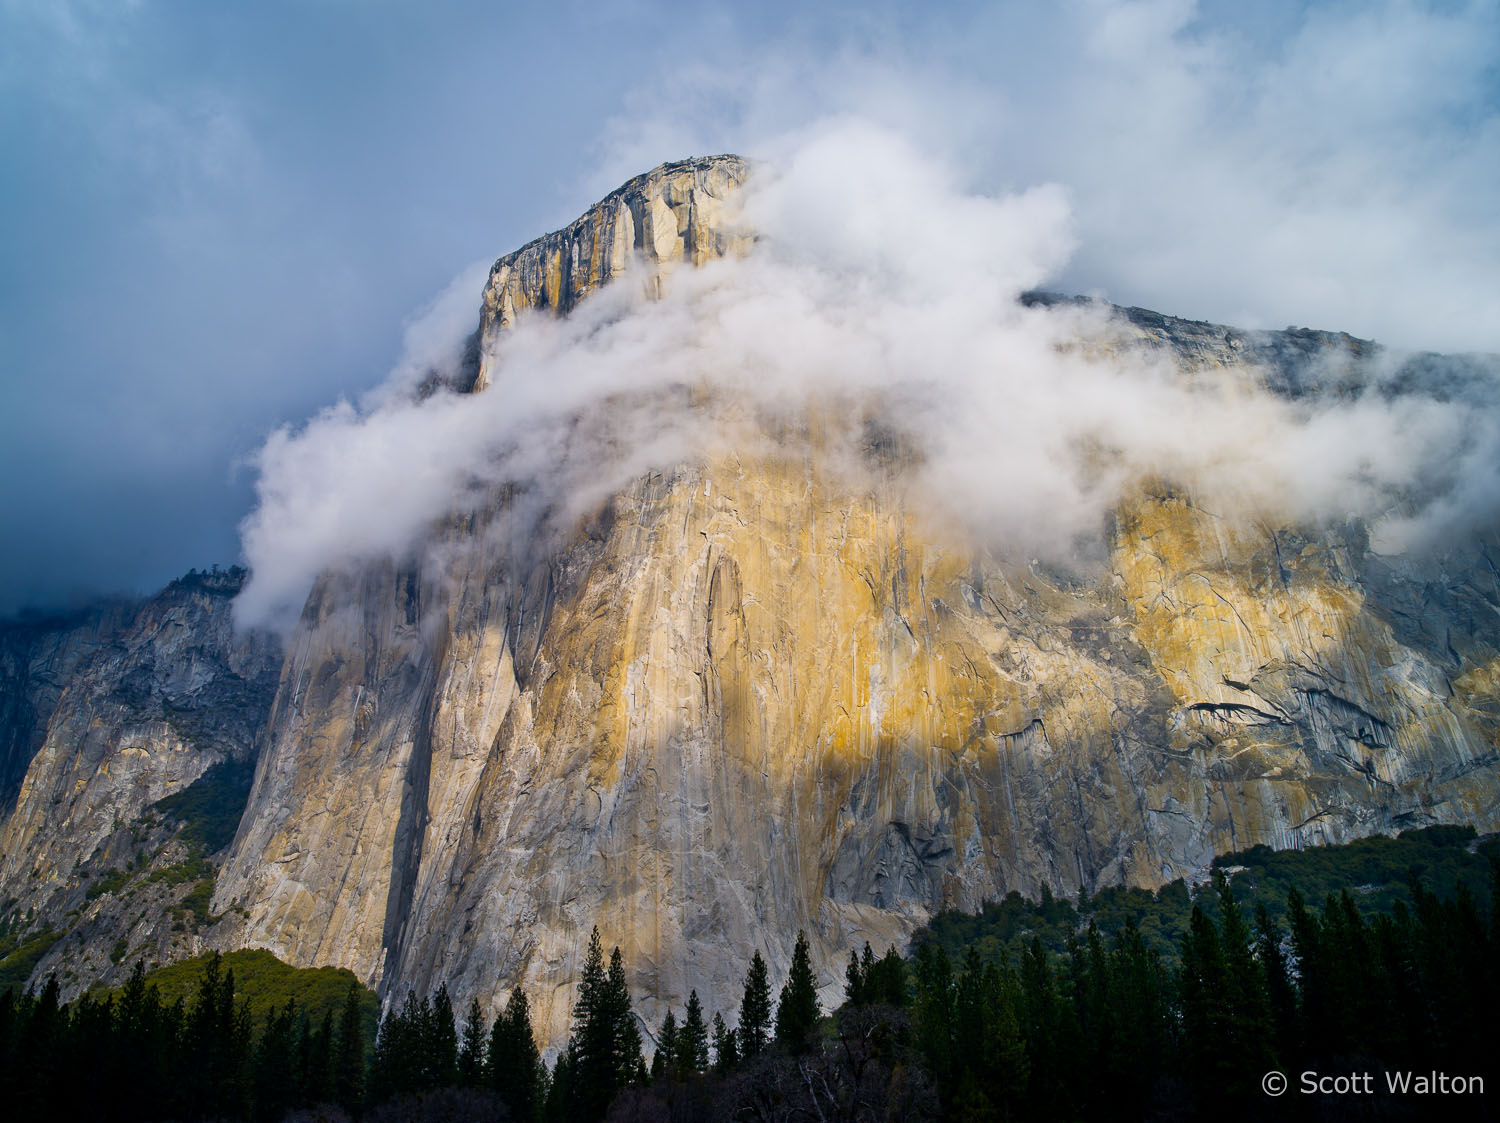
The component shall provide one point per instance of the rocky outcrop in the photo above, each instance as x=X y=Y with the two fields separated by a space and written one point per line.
x=38 y=656
x=126 y=705
x=681 y=212
x=759 y=693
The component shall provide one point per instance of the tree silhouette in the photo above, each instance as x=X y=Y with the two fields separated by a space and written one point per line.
x=755 y=1009
x=797 y=1012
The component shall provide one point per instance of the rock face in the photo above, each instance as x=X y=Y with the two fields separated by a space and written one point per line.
x=751 y=696
x=758 y=692
x=682 y=212
x=113 y=710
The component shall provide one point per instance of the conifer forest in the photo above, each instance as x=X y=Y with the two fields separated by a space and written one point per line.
x=1126 y=1005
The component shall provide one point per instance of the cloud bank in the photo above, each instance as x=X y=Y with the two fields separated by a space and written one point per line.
x=879 y=282
x=215 y=215
x=1335 y=165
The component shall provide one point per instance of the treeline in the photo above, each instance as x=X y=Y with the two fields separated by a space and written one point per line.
x=136 y=1055
x=1110 y=1027
x=1376 y=869
x=133 y=1056
x=1109 y=1031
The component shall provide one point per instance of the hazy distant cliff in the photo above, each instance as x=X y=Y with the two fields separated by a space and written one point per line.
x=763 y=691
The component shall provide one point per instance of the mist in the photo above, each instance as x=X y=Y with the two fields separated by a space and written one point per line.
x=218 y=217
x=880 y=285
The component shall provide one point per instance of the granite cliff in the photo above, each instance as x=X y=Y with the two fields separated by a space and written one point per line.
x=761 y=691
x=108 y=712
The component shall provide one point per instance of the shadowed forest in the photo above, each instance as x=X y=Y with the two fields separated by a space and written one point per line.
x=1372 y=957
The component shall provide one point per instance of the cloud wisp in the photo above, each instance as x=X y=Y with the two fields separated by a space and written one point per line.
x=877 y=277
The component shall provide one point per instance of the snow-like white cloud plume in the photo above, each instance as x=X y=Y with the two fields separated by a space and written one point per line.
x=879 y=282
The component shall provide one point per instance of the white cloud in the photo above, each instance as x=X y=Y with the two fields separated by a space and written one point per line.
x=1341 y=170
x=879 y=280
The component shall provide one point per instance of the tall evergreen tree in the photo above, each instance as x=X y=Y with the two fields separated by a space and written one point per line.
x=349 y=1054
x=664 y=1063
x=1141 y=1002
x=934 y=1015
x=1316 y=1018
x=692 y=1040
x=89 y=1049
x=854 y=981
x=630 y=1064
x=1044 y=1023
x=1281 y=997
x=797 y=1012
x=471 y=1048
x=755 y=1009
x=1250 y=1027
x=140 y=1051
x=315 y=1059
x=439 y=1038
x=886 y=979
x=274 y=1067
x=403 y=1061
x=37 y=1063
x=218 y=1045
x=514 y=1065
x=726 y=1050
x=605 y=1050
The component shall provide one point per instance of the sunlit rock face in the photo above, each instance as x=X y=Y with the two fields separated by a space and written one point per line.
x=682 y=212
x=761 y=692
x=106 y=713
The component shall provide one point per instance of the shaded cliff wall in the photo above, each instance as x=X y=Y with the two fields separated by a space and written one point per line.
x=128 y=703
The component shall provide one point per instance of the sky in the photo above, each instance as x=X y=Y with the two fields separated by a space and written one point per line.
x=219 y=221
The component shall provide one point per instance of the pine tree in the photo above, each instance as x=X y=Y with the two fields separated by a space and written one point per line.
x=630 y=1067
x=886 y=979
x=471 y=1048
x=1007 y=1067
x=664 y=1063
x=1315 y=1016
x=138 y=1058
x=383 y=1082
x=1250 y=1013
x=726 y=1051
x=38 y=1064
x=439 y=1042
x=973 y=1011
x=755 y=1009
x=349 y=1055
x=561 y=1094
x=218 y=1045
x=315 y=1060
x=854 y=981
x=404 y=1050
x=934 y=1015
x=797 y=1012
x=692 y=1040
x=1043 y=1021
x=591 y=1048
x=1140 y=998
x=513 y=1064
x=1281 y=998
x=605 y=1049
x=273 y=1068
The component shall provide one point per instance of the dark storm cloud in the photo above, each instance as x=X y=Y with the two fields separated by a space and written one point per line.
x=216 y=218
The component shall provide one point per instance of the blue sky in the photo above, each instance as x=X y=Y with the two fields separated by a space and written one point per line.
x=218 y=218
